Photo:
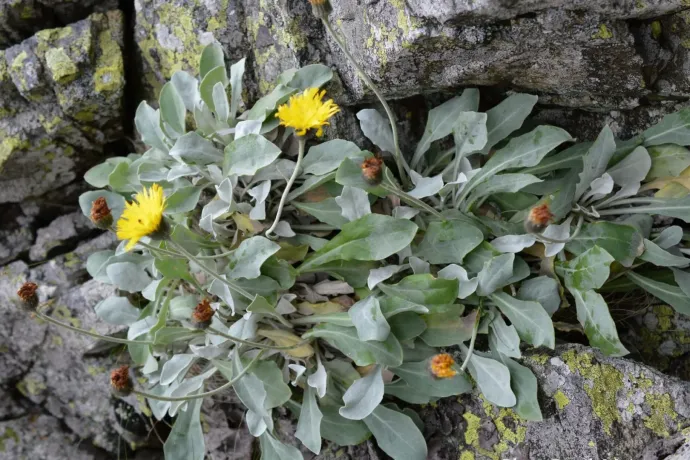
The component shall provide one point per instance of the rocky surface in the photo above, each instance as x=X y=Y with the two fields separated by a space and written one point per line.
x=64 y=105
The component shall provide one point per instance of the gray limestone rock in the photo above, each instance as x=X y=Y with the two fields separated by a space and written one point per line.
x=61 y=101
x=62 y=231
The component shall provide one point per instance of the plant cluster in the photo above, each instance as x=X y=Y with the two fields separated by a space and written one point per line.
x=313 y=276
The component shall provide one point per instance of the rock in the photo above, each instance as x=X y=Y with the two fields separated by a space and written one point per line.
x=16 y=232
x=62 y=231
x=20 y=19
x=61 y=102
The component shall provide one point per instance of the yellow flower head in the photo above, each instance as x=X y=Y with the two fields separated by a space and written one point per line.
x=306 y=110
x=142 y=217
x=441 y=366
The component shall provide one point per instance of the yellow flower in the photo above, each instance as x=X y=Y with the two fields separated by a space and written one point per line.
x=142 y=217
x=306 y=110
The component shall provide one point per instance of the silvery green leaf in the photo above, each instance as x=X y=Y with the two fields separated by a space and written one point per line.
x=324 y=158
x=204 y=119
x=368 y=320
x=682 y=279
x=419 y=266
x=225 y=188
x=247 y=127
x=147 y=121
x=556 y=232
x=377 y=129
x=594 y=315
x=497 y=273
x=150 y=292
x=299 y=371
x=448 y=242
x=493 y=379
x=354 y=203
x=115 y=202
x=373 y=237
x=212 y=78
x=247 y=155
x=188 y=386
x=221 y=290
x=319 y=379
x=186 y=440
x=669 y=237
x=407 y=326
x=670 y=207
x=404 y=212
x=273 y=449
x=255 y=424
x=676 y=297
x=632 y=169
x=523 y=151
x=172 y=108
x=141 y=327
x=187 y=87
x=268 y=103
x=596 y=160
x=378 y=275
x=599 y=188
x=543 y=290
x=346 y=339
x=667 y=160
x=524 y=385
x=364 y=395
x=182 y=200
x=503 y=183
x=469 y=133
x=211 y=212
x=442 y=120
x=208 y=351
x=244 y=328
x=507 y=117
x=174 y=367
x=128 y=276
x=277 y=391
x=309 y=76
x=396 y=434
x=672 y=129
x=529 y=318
x=417 y=375
x=278 y=170
x=340 y=430
x=513 y=243
x=211 y=57
x=661 y=257
x=178 y=171
x=309 y=424
x=117 y=311
x=192 y=148
x=247 y=259
x=249 y=389
x=220 y=101
x=327 y=211
x=503 y=338
x=283 y=229
x=310 y=183
x=425 y=186
x=236 y=74
x=259 y=193
x=467 y=286
x=589 y=270
x=424 y=290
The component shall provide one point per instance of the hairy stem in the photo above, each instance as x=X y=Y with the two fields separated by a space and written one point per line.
x=91 y=334
x=255 y=344
x=302 y=142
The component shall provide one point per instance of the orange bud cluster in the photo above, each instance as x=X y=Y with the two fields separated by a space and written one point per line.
x=372 y=170
x=441 y=366
x=538 y=219
x=27 y=294
x=202 y=315
x=120 y=381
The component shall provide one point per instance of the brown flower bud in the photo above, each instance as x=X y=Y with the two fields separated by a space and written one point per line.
x=202 y=315
x=441 y=366
x=120 y=381
x=372 y=170
x=27 y=295
x=320 y=8
x=100 y=214
x=538 y=219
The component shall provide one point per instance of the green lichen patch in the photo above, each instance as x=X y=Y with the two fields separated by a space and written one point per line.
x=603 y=33
x=30 y=386
x=656 y=29
x=602 y=386
x=8 y=434
x=62 y=68
x=561 y=400
x=467 y=455
x=472 y=430
x=110 y=71
x=661 y=413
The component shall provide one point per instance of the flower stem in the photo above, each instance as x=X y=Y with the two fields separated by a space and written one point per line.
x=255 y=344
x=390 y=187
x=580 y=220
x=220 y=389
x=403 y=167
x=91 y=334
x=302 y=142
x=213 y=274
x=473 y=339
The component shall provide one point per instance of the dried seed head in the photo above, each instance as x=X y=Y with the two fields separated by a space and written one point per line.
x=100 y=214
x=538 y=219
x=202 y=315
x=120 y=381
x=372 y=170
x=27 y=295
x=441 y=366
x=319 y=8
